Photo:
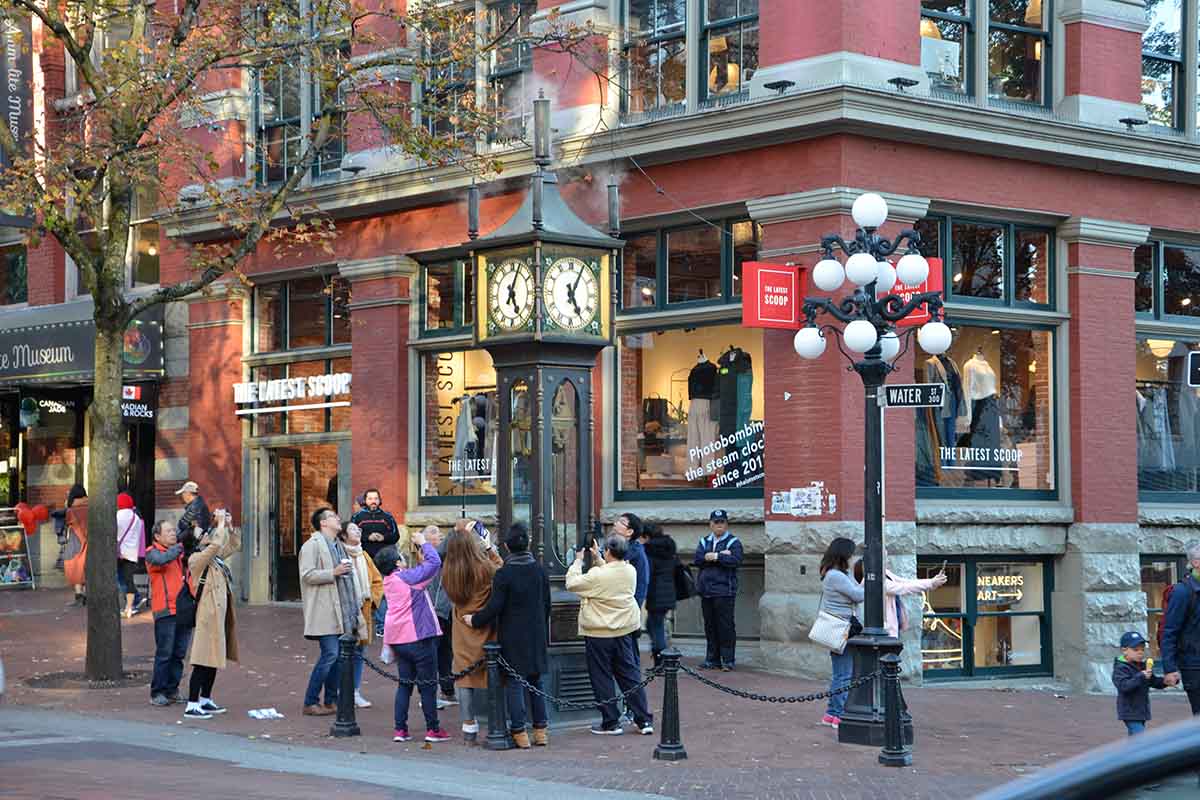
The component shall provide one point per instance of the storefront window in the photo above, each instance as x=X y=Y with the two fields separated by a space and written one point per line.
x=945 y=32
x=521 y=431
x=1017 y=42
x=997 y=262
x=988 y=618
x=310 y=312
x=1181 y=281
x=461 y=423
x=691 y=410
x=1168 y=421
x=640 y=269
x=996 y=427
x=1158 y=572
x=447 y=291
x=693 y=264
x=746 y=238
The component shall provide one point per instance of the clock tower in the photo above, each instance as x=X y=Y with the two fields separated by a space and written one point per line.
x=544 y=301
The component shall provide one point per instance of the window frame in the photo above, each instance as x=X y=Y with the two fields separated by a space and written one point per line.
x=285 y=301
x=971 y=613
x=945 y=252
x=1171 y=496
x=496 y=71
x=1047 y=61
x=629 y=40
x=1158 y=269
x=461 y=301
x=707 y=26
x=691 y=493
x=967 y=21
x=5 y=248
x=662 y=267
x=1008 y=493
x=327 y=423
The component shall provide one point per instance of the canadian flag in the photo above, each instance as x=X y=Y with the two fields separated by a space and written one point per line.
x=131 y=393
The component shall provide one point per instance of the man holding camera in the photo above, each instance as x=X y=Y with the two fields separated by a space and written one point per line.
x=608 y=615
x=323 y=565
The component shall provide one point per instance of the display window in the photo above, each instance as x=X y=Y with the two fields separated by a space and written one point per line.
x=461 y=420
x=990 y=617
x=1158 y=572
x=691 y=410
x=995 y=429
x=1168 y=421
x=945 y=43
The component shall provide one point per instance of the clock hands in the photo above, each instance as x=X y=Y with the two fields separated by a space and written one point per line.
x=512 y=293
x=571 y=292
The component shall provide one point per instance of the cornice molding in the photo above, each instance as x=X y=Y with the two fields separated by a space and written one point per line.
x=1103 y=232
x=1100 y=272
x=392 y=266
x=1125 y=15
x=831 y=201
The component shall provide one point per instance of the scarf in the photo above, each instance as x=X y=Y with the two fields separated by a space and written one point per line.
x=520 y=558
x=345 y=587
x=362 y=577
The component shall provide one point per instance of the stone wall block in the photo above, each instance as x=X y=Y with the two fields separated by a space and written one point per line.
x=1103 y=538
x=1127 y=608
x=933 y=540
x=793 y=574
x=786 y=617
x=1106 y=572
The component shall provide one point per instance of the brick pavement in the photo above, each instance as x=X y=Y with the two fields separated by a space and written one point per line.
x=967 y=739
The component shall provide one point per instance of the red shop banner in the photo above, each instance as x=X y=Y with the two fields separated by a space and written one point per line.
x=772 y=295
x=934 y=283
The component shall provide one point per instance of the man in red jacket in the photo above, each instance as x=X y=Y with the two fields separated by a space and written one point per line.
x=164 y=567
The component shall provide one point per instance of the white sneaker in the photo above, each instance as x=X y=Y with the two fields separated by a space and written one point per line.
x=444 y=703
x=360 y=701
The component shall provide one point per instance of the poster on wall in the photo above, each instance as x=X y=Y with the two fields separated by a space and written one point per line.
x=730 y=461
x=16 y=567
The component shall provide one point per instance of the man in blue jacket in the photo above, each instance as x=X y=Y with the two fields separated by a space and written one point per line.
x=1181 y=632
x=718 y=555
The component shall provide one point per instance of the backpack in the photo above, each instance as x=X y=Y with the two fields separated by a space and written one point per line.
x=685 y=582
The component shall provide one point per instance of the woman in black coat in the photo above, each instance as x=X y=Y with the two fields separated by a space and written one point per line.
x=521 y=602
x=660 y=598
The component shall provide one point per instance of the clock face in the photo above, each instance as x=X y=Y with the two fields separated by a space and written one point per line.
x=511 y=294
x=571 y=294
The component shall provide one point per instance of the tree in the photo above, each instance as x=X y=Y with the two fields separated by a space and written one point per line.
x=142 y=71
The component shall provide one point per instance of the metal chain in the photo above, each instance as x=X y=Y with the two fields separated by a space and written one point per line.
x=571 y=704
x=417 y=681
x=768 y=698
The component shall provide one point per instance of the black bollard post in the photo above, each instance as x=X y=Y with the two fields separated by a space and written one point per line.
x=345 y=725
x=497 y=735
x=670 y=747
x=896 y=752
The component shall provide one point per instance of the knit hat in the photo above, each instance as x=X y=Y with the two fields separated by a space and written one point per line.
x=124 y=501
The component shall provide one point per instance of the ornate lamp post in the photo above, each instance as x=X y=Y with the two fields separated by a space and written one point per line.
x=869 y=316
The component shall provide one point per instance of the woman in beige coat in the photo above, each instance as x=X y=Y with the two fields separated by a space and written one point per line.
x=214 y=642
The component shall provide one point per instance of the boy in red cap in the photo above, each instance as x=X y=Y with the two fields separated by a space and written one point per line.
x=131 y=547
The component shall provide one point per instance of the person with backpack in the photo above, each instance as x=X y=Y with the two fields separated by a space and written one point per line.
x=661 y=595
x=131 y=549
x=164 y=567
x=1180 y=631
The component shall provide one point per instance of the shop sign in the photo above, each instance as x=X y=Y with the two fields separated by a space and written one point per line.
x=913 y=395
x=139 y=404
x=934 y=283
x=731 y=461
x=772 y=295
x=1194 y=368
x=470 y=469
x=67 y=351
x=288 y=394
x=999 y=590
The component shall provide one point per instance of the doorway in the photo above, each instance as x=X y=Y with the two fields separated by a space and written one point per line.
x=302 y=479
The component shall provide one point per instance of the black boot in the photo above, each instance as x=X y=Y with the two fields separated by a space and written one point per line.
x=657 y=658
x=77 y=602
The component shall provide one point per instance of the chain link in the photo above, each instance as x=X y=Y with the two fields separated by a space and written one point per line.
x=416 y=681
x=770 y=698
x=571 y=705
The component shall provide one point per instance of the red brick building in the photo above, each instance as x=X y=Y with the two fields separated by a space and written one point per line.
x=1060 y=481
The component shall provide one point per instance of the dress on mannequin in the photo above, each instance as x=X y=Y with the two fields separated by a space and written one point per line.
x=702 y=391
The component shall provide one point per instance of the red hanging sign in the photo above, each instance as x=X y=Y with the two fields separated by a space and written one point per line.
x=772 y=295
x=934 y=283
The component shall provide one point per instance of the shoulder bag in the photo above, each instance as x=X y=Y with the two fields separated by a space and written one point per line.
x=685 y=582
x=827 y=630
x=186 y=602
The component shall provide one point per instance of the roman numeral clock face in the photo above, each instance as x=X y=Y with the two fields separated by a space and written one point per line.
x=511 y=294
x=571 y=294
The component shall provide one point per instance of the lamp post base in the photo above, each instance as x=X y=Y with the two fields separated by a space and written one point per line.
x=863 y=720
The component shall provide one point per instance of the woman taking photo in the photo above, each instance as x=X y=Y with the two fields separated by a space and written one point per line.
x=215 y=639
x=839 y=596
x=660 y=597
x=471 y=563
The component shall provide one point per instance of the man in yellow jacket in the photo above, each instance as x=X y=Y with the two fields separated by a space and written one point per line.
x=608 y=616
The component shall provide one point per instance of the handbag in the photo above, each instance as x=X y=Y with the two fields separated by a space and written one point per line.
x=685 y=582
x=186 y=602
x=828 y=630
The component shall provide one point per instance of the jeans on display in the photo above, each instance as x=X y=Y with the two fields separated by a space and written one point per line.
x=518 y=696
x=170 y=649
x=324 y=673
x=656 y=624
x=843 y=670
x=417 y=661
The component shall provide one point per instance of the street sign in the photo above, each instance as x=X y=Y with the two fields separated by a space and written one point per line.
x=913 y=395
x=1194 y=368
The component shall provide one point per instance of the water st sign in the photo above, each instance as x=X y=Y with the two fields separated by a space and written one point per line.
x=912 y=395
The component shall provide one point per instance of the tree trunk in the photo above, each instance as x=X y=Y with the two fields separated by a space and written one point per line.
x=103 y=603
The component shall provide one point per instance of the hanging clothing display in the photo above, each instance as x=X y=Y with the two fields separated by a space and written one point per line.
x=464 y=432
x=979 y=387
x=1183 y=404
x=702 y=412
x=736 y=389
x=1155 y=450
x=953 y=417
x=475 y=430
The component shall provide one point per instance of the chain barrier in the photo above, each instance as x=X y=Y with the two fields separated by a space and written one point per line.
x=770 y=698
x=416 y=681
x=571 y=704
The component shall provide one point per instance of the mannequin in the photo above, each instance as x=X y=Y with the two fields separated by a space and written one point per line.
x=736 y=382
x=979 y=387
x=702 y=399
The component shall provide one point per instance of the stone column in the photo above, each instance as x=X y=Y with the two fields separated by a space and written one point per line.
x=379 y=314
x=814 y=433
x=1097 y=594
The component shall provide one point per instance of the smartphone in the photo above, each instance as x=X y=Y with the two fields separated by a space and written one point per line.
x=943 y=569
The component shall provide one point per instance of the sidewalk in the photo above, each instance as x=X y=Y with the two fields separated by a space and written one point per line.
x=967 y=739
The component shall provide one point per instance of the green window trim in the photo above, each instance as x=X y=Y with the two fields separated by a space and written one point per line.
x=945 y=251
x=463 y=322
x=1156 y=249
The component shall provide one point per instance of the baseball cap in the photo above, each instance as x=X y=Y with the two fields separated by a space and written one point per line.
x=1132 y=639
x=719 y=515
x=189 y=486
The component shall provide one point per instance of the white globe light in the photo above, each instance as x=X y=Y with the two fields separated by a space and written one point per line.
x=885 y=278
x=934 y=337
x=913 y=269
x=809 y=343
x=828 y=275
x=889 y=346
x=860 y=336
x=861 y=269
x=869 y=211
